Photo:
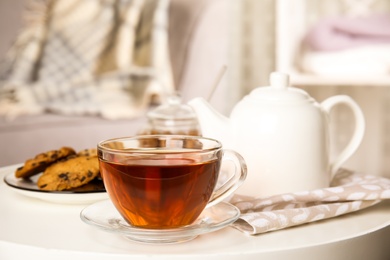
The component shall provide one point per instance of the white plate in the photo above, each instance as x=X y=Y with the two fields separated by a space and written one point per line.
x=30 y=189
x=103 y=215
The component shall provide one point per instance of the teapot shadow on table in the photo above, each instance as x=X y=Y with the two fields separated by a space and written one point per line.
x=283 y=135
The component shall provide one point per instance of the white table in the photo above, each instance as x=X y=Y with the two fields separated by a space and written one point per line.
x=35 y=229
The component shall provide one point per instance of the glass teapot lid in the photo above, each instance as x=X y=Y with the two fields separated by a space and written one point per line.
x=173 y=117
x=174 y=109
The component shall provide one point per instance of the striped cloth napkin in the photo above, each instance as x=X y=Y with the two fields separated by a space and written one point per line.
x=349 y=192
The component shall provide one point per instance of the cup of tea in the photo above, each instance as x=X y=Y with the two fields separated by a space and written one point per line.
x=166 y=181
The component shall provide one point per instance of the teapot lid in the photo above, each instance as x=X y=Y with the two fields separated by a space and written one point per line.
x=279 y=90
x=173 y=110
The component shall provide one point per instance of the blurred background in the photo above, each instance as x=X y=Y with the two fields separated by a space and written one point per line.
x=261 y=36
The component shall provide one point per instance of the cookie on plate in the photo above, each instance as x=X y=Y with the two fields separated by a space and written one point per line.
x=41 y=161
x=88 y=152
x=94 y=185
x=69 y=174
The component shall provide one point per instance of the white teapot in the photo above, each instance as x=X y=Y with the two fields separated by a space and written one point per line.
x=283 y=135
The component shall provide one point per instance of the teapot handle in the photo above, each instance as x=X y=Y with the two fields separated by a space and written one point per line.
x=357 y=135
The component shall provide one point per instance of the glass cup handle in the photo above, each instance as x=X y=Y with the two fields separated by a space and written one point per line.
x=234 y=181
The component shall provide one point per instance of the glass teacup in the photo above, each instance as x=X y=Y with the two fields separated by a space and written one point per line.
x=166 y=181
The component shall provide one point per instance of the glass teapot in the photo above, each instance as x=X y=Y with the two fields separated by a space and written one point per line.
x=174 y=118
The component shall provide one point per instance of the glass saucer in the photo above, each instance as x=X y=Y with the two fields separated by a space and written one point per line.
x=103 y=215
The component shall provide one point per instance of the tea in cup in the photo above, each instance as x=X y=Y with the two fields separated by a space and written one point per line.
x=166 y=181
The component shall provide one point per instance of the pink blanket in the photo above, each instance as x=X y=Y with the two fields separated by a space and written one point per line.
x=338 y=33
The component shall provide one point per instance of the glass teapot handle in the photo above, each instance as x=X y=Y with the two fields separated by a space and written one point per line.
x=357 y=135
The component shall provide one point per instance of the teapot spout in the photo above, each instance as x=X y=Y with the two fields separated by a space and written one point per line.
x=212 y=123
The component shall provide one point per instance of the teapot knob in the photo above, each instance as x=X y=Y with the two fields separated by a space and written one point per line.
x=279 y=80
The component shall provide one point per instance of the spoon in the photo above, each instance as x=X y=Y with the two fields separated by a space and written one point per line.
x=217 y=81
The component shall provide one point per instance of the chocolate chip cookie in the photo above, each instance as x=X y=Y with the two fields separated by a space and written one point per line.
x=41 y=161
x=88 y=152
x=69 y=174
